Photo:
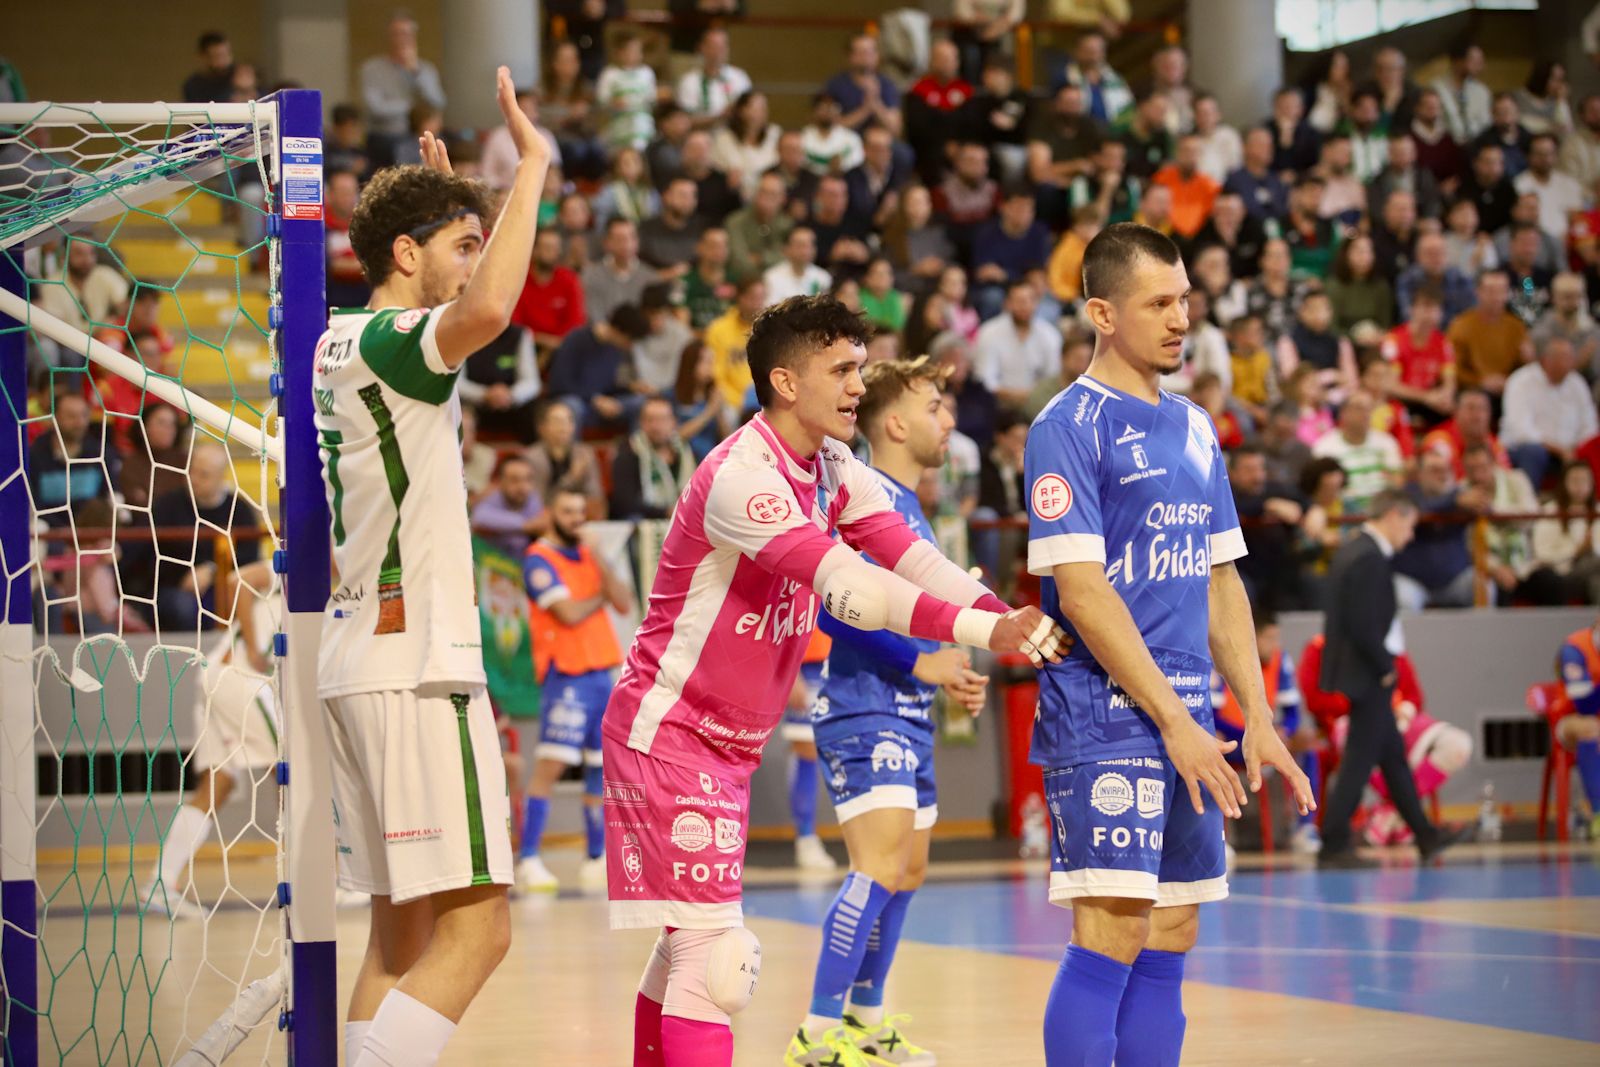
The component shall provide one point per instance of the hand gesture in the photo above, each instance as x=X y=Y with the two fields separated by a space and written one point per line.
x=1198 y=758
x=531 y=144
x=1031 y=632
x=943 y=667
x=971 y=690
x=1266 y=748
x=434 y=154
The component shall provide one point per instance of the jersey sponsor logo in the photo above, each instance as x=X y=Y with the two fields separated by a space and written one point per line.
x=691 y=831
x=1165 y=558
x=708 y=785
x=407 y=320
x=1083 y=409
x=1111 y=794
x=779 y=622
x=1140 y=460
x=1125 y=836
x=632 y=858
x=767 y=508
x=1052 y=497
x=707 y=872
x=1129 y=434
x=1152 y=797
x=624 y=794
x=730 y=836
x=1160 y=515
x=334 y=355
x=1143 y=472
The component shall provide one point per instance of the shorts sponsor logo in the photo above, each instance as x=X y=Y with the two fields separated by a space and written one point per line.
x=691 y=831
x=707 y=872
x=767 y=508
x=1060 y=825
x=709 y=785
x=887 y=754
x=1152 y=797
x=1052 y=497
x=1125 y=837
x=568 y=716
x=407 y=321
x=624 y=794
x=1111 y=794
x=729 y=835
x=632 y=858
x=420 y=833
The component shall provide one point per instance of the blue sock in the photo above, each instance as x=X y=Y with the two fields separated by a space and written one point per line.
x=1080 y=1018
x=1150 y=1023
x=803 y=795
x=534 y=809
x=1588 y=754
x=594 y=815
x=867 y=992
x=844 y=941
x=1313 y=767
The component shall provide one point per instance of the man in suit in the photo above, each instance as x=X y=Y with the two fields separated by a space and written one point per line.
x=1363 y=637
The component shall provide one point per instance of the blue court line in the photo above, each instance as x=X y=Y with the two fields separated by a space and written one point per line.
x=1292 y=932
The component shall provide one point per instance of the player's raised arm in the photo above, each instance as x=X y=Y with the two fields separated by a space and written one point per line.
x=484 y=307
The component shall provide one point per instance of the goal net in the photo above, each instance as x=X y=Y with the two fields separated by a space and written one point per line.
x=146 y=679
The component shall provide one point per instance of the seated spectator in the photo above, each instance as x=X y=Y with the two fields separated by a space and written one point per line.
x=567 y=104
x=1542 y=101
x=1311 y=238
x=1560 y=195
x=1205 y=347
x=707 y=290
x=958 y=478
x=715 y=196
x=153 y=466
x=1000 y=113
x=1467 y=428
x=1357 y=291
x=1155 y=210
x=1438 y=150
x=934 y=109
x=976 y=409
x=1296 y=144
x=1487 y=186
x=1007 y=249
x=423 y=118
x=1193 y=191
x=1255 y=183
x=1469 y=249
x=1106 y=93
x=1145 y=136
x=924 y=322
x=747 y=147
x=1313 y=341
x=346 y=284
x=1529 y=283
x=667 y=242
x=1363 y=124
x=1273 y=294
x=1002 y=494
x=574 y=221
x=69 y=465
x=655 y=356
x=1279 y=441
x=1580 y=149
x=842 y=241
x=727 y=336
x=1568 y=317
x=698 y=402
x=1237 y=233
x=183 y=573
x=1107 y=187
x=1370 y=458
x=551 y=305
x=141 y=336
x=346 y=145
x=1507 y=133
x=663 y=157
x=1322 y=486
x=830 y=146
x=1403 y=173
x=1547 y=411
x=1077 y=349
x=1489 y=342
x=1254 y=387
x=625 y=95
x=967 y=197
x=983 y=30
x=1426 y=362
x=707 y=92
x=1566 y=544
x=477 y=459
x=868 y=97
x=1273 y=513
x=1490 y=489
x=1465 y=98
x=799 y=181
x=591 y=371
x=797 y=274
x=501 y=380
x=653 y=467
x=758 y=232
x=873 y=186
x=212 y=83
x=1344 y=198
x=1016 y=348
x=1206 y=391
x=617 y=277
x=1547 y=254
x=1313 y=414
x=85 y=295
x=1221 y=150
x=1061 y=147
x=884 y=305
x=1395 y=233
x=1227 y=296
x=1433 y=268
x=959 y=316
x=917 y=244
x=1064 y=271
x=499 y=156
x=511 y=515
x=1389 y=415
x=559 y=458
x=1435 y=570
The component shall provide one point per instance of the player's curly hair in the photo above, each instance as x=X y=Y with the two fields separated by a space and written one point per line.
x=793 y=330
x=411 y=200
x=888 y=379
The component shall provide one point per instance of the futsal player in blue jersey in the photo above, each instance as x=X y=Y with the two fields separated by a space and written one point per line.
x=873 y=724
x=1132 y=527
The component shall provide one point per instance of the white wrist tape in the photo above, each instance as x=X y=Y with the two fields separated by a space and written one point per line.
x=974 y=627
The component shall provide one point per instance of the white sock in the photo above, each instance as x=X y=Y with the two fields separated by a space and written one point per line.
x=868 y=1015
x=816 y=1025
x=189 y=830
x=355 y=1034
x=405 y=1033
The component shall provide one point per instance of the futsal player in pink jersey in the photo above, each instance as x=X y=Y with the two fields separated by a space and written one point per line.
x=746 y=567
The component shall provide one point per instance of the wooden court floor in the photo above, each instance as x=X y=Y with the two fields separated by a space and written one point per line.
x=1492 y=959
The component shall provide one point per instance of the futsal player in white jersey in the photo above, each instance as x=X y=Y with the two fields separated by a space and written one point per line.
x=418 y=784
x=747 y=564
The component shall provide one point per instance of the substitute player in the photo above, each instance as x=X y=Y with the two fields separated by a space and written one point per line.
x=746 y=567
x=1132 y=526
x=874 y=729
x=418 y=786
x=575 y=653
x=1578 y=664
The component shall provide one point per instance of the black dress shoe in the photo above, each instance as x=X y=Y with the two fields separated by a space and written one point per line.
x=1343 y=860
x=1444 y=839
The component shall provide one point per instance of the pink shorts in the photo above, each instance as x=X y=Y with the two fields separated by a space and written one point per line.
x=675 y=841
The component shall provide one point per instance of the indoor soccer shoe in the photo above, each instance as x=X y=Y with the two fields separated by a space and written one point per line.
x=534 y=877
x=592 y=874
x=169 y=902
x=886 y=1044
x=833 y=1049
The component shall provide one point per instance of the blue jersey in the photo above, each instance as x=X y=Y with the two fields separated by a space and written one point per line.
x=1141 y=489
x=869 y=684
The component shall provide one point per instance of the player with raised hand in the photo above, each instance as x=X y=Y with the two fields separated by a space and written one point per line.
x=418 y=784
x=1133 y=528
x=747 y=565
x=874 y=728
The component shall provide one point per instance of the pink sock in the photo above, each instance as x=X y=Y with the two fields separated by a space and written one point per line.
x=691 y=1043
x=647 y=1033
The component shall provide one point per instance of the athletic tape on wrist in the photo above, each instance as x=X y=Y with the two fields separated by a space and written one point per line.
x=974 y=627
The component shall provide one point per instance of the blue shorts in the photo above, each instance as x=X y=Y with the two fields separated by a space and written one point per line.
x=1125 y=828
x=881 y=769
x=569 y=725
x=797 y=721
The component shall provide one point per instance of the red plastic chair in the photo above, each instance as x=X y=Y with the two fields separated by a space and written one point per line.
x=1549 y=701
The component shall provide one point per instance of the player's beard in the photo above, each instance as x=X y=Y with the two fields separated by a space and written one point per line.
x=568 y=538
x=438 y=287
x=932 y=456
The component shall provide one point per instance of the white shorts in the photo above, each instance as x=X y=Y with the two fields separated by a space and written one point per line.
x=236 y=719
x=419 y=792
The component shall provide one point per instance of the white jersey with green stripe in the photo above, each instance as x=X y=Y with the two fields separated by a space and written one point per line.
x=404 y=610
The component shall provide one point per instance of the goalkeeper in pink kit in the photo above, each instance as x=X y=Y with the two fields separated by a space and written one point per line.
x=747 y=565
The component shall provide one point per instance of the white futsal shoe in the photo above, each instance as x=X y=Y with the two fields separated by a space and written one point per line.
x=534 y=877
x=165 y=900
x=592 y=874
x=810 y=855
